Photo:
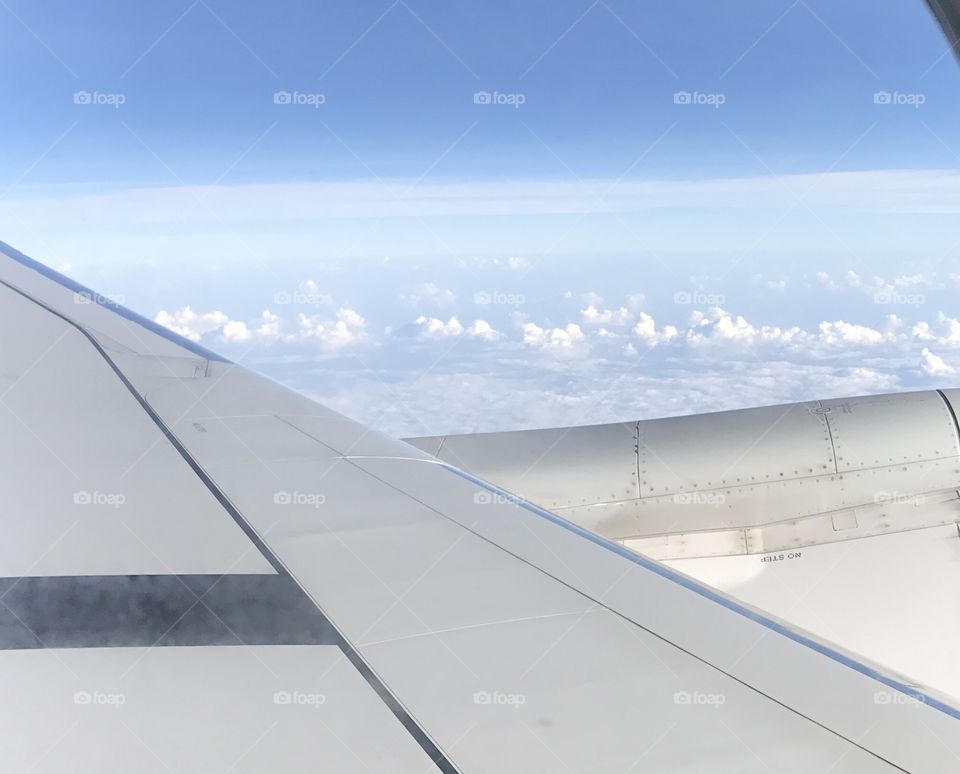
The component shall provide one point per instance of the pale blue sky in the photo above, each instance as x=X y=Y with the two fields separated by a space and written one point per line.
x=149 y=151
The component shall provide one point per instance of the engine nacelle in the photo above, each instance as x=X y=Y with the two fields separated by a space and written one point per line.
x=737 y=482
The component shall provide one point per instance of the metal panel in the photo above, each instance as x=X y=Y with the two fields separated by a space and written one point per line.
x=884 y=430
x=557 y=468
x=244 y=710
x=894 y=598
x=90 y=486
x=733 y=448
x=736 y=469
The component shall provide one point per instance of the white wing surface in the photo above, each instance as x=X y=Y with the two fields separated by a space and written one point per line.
x=205 y=572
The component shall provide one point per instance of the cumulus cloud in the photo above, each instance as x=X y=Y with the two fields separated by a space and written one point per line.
x=235 y=330
x=840 y=333
x=268 y=326
x=348 y=329
x=718 y=326
x=593 y=316
x=516 y=262
x=557 y=339
x=190 y=324
x=434 y=328
x=933 y=365
x=902 y=289
x=481 y=329
x=646 y=331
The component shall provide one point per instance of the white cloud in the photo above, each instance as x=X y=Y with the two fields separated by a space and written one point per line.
x=434 y=328
x=718 y=326
x=268 y=327
x=516 y=263
x=646 y=331
x=933 y=365
x=481 y=329
x=557 y=339
x=194 y=326
x=189 y=324
x=236 y=331
x=593 y=316
x=348 y=329
x=840 y=332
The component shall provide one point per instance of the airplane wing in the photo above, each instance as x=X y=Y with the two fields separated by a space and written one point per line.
x=203 y=571
x=839 y=516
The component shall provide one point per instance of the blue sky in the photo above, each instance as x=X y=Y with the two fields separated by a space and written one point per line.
x=398 y=79
x=788 y=164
